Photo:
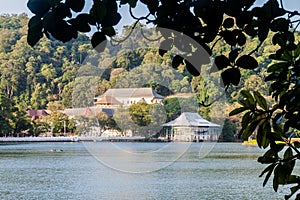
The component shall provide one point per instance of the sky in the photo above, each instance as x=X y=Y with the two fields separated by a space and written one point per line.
x=19 y=6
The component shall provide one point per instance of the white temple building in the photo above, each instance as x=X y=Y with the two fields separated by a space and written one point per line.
x=128 y=96
x=190 y=127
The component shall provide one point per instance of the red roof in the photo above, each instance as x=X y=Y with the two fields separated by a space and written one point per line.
x=108 y=100
x=36 y=114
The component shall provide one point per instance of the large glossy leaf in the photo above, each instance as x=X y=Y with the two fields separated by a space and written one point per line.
x=270 y=171
x=278 y=67
x=237 y=111
x=263 y=130
x=260 y=100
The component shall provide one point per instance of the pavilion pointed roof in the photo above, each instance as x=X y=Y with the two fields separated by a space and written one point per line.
x=188 y=119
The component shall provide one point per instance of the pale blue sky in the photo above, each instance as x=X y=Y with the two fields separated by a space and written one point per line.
x=19 y=6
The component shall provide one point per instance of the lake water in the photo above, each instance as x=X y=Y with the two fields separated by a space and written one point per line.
x=148 y=171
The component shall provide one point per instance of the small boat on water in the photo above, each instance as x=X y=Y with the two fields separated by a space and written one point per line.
x=56 y=150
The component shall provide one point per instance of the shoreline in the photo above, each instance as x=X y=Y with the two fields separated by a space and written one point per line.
x=9 y=140
x=5 y=140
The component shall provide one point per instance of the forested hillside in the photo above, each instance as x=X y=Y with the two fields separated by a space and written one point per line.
x=34 y=78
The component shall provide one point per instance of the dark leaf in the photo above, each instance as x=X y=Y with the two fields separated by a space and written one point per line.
x=34 y=30
x=288 y=153
x=263 y=31
x=278 y=67
x=233 y=54
x=293 y=191
x=228 y=22
x=132 y=3
x=247 y=62
x=62 y=11
x=229 y=37
x=109 y=31
x=250 y=129
x=177 y=60
x=50 y=22
x=76 y=5
x=38 y=7
x=246 y=94
x=268 y=175
x=246 y=119
x=241 y=39
x=111 y=20
x=263 y=130
x=260 y=100
x=222 y=62
x=296 y=52
x=249 y=30
x=191 y=69
x=98 y=11
x=35 y=23
x=64 y=32
x=81 y=22
x=267 y=169
x=280 y=24
x=232 y=75
x=294 y=179
x=237 y=111
x=54 y=3
x=99 y=41
x=162 y=52
x=296 y=144
x=151 y=4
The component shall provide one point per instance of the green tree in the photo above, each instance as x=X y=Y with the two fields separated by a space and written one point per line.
x=139 y=113
x=6 y=117
x=228 y=131
x=58 y=123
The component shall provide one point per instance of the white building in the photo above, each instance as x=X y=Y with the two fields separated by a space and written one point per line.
x=128 y=96
x=191 y=127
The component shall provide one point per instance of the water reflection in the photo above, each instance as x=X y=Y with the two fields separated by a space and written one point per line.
x=33 y=171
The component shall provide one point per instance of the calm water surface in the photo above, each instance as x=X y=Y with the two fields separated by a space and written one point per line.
x=38 y=171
